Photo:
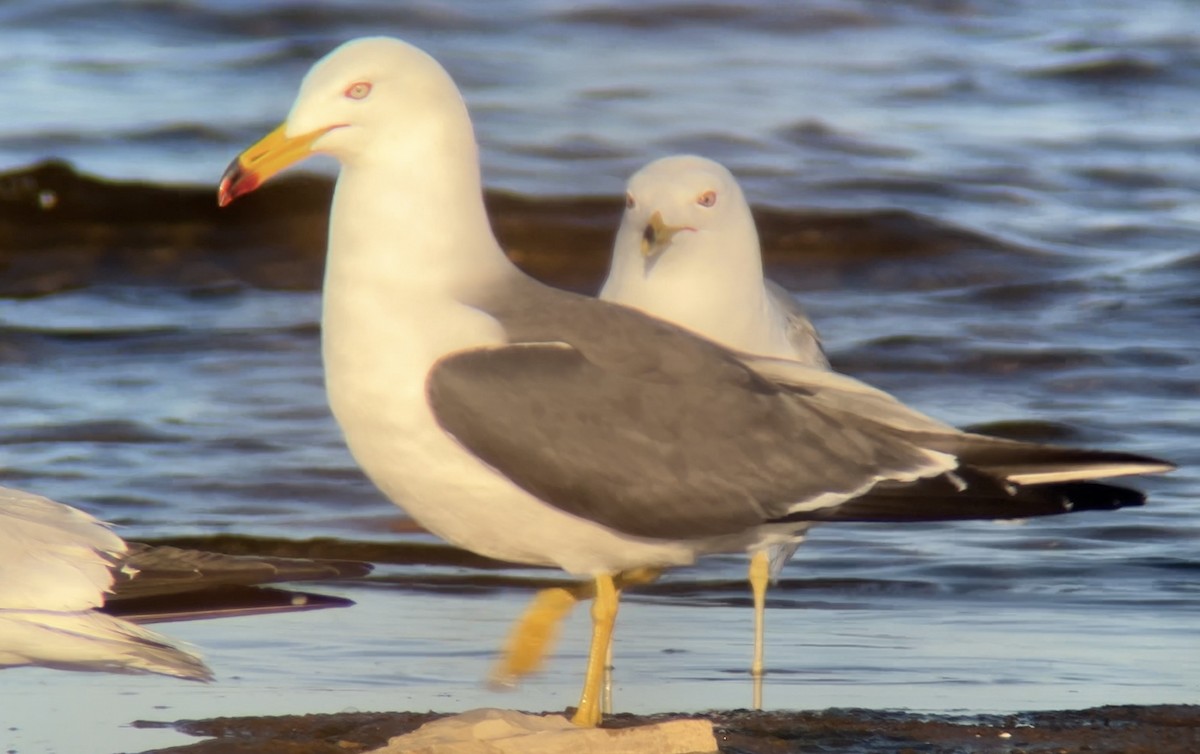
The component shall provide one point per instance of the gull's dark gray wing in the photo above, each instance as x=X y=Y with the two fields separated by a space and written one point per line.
x=650 y=431
x=637 y=424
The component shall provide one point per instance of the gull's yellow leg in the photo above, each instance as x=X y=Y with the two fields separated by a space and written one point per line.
x=604 y=616
x=760 y=574
x=533 y=636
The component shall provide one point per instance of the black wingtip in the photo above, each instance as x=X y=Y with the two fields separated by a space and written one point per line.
x=1096 y=496
x=225 y=601
x=967 y=494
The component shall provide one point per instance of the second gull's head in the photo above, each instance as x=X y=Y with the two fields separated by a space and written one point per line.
x=684 y=206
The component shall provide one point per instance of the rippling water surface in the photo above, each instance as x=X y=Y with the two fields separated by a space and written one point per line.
x=1061 y=138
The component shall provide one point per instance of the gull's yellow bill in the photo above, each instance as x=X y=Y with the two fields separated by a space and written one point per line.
x=272 y=154
x=657 y=235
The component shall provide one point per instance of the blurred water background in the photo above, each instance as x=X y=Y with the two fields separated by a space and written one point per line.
x=1024 y=179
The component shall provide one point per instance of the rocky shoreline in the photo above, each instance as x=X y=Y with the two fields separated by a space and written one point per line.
x=1124 y=729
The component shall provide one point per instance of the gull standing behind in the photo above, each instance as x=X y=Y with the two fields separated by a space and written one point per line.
x=687 y=252
x=537 y=426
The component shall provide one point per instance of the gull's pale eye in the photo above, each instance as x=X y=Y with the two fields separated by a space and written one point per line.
x=629 y=202
x=707 y=199
x=358 y=90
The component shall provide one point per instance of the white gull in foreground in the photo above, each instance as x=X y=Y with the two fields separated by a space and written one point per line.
x=537 y=426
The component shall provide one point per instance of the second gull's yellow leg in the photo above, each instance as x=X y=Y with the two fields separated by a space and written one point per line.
x=604 y=616
x=760 y=575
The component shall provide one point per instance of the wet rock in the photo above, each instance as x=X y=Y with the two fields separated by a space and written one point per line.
x=496 y=731
x=1126 y=729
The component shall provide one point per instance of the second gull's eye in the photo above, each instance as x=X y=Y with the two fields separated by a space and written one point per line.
x=629 y=202
x=707 y=199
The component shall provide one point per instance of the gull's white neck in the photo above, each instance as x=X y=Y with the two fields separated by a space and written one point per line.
x=410 y=246
x=412 y=216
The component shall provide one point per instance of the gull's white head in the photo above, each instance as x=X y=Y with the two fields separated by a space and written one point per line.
x=687 y=252
x=684 y=211
x=687 y=240
x=371 y=96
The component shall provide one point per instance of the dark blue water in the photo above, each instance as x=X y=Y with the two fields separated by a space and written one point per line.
x=1064 y=135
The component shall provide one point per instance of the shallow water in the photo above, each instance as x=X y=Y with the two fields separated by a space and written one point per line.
x=1062 y=140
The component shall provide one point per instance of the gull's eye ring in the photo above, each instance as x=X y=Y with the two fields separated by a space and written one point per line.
x=629 y=201
x=707 y=199
x=358 y=90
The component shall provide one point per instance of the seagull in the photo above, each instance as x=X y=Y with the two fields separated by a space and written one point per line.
x=687 y=251
x=538 y=426
x=57 y=564
x=71 y=591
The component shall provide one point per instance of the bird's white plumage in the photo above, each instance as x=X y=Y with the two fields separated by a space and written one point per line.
x=53 y=556
x=91 y=641
x=56 y=565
